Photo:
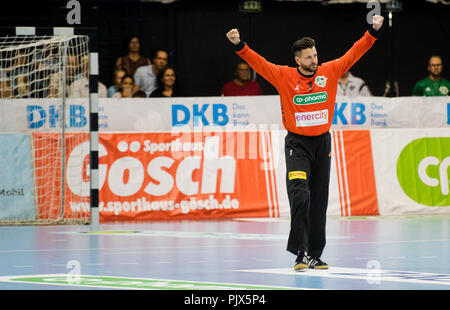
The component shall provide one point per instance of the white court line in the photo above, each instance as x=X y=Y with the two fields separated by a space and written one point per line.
x=193 y=234
x=129 y=263
x=428 y=257
x=370 y=275
x=397 y=257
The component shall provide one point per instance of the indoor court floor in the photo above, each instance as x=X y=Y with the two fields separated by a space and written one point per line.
x=364 y=253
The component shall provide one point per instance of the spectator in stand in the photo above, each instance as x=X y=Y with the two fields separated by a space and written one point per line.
x=5 y=90
x=126 y=89
x=80 y=87
x=139 y=94
x=167 y=84
x=118 y=75
x=19 y=75
x=352 y=86
x=56 y=79
x=133 y=60
x=434 y=84
x=146 y=76
x=242 y=85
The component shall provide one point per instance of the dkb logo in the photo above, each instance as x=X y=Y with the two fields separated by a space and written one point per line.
x=422 y=171
x=38 y=116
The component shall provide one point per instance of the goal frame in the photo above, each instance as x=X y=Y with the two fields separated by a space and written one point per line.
x=93 y=109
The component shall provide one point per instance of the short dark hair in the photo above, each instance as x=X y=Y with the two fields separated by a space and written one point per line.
x=303 y=43
x=139 y=94
x=434 y=56
x=127 y=76
x=154 y=52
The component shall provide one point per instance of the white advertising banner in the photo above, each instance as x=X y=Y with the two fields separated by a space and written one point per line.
x=164 y=114
x=412 y=170
x=401 y=112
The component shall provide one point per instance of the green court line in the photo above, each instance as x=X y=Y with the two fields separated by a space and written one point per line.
x=136 y=283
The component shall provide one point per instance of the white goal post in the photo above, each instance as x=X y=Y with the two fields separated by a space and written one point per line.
x=48 y=125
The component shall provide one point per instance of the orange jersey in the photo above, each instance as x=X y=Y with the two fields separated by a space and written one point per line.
x=307 y=103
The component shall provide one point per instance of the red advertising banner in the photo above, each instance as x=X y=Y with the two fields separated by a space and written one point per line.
x=190 y=175
x=48 y=157
x=147 y=176
x=355 y=172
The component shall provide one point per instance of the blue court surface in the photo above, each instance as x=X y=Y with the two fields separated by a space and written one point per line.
x=365 y=253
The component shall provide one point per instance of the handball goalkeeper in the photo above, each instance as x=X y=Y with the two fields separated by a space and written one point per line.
x=307 y=94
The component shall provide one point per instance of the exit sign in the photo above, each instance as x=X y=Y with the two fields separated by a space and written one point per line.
x=249 y=6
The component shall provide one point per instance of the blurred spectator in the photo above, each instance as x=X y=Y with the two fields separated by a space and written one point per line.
x=19 y=75
x=80 y=87
x=146 y=76
x=126 y=89
x=242 y=85
x=139 y=94
x=47 y=57
x=72 y=73
x=167 y=84
x=118 y=75
x=46 y=62
x=352 y=86
x=5 y=90
x=434 y=84
x=133 y=59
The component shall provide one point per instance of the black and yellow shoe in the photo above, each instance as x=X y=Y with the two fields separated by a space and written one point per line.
x=301 y=262
x=316 y=263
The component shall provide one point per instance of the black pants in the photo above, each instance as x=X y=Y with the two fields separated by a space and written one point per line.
x=308 y=161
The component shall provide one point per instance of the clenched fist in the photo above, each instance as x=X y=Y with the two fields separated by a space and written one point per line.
x=233 y=36
x=377 y=22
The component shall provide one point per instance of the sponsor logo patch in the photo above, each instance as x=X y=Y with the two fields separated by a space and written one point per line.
x=321 y=81
x=297 y=175
x=314 y=118
x=311 y=98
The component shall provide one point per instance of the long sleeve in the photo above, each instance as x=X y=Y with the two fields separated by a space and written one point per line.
x=358 y=49
x=268 y=70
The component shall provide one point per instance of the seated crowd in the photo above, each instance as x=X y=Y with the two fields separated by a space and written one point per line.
x=39 y=75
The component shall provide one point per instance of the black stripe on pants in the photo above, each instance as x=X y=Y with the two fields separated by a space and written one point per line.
x=308 y=161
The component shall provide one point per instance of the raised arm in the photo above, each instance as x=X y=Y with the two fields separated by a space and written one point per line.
x=360 y=47
x=268 y=70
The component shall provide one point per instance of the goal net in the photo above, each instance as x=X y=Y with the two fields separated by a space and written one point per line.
x=44 y=129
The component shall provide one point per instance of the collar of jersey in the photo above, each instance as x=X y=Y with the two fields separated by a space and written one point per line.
x=307 y=76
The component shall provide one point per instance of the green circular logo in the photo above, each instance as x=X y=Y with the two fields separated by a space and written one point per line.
x=423 y=171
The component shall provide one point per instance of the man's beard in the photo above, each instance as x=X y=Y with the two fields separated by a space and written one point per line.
x=309 y=69
x=436 y=76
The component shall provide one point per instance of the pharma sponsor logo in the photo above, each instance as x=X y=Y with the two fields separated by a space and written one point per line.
x=422 y=171
x=133 y=283
x=314 y=118
x=311 y=98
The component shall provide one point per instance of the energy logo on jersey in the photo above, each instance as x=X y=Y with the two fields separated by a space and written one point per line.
x=313 y=118
x=321 y=81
